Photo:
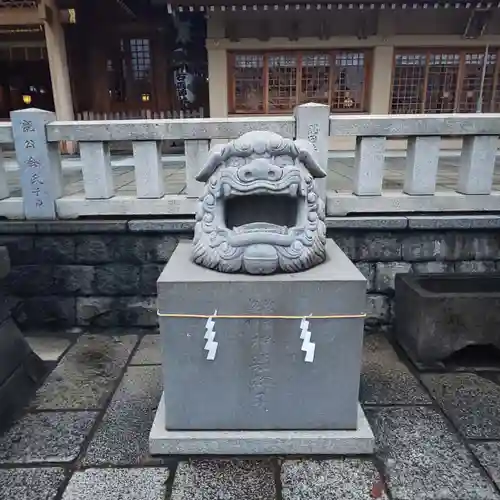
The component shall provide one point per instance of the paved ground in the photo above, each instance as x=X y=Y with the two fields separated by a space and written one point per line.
x=85 y=435
x=339 y=177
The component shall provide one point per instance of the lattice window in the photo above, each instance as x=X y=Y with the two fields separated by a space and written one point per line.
x=445 y=81
x=442 y=83
x=277 y=82
x=249 y=82
x=349 y=82
x=140 y=58
x=470 y=91
x=408 y=84
x=282 y=82
x=315 y=78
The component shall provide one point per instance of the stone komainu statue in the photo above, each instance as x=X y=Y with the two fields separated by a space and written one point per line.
x=260 y=212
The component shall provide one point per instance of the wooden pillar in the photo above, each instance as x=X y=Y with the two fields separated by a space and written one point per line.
x=58 y=63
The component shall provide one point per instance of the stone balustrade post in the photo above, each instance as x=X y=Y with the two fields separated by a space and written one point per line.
x=313 y=125
x=39 y=163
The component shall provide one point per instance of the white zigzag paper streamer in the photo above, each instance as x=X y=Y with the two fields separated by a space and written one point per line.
x=211 y=345
x=307 y=346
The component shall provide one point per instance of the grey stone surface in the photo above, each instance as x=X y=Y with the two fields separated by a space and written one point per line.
x=268 y=362
x=449 y=245
x=322 y=442
x=137 y=130
x=339 y=479
x=470 y=401
x=453 y=221
x=21 y=248
x=39 y=162
x=30 y=484
x=423 y=459
x=379 y=246
x=87 y=374
x=423 y=247
x=268 y=236
x=385 y=380
x=149 y=351
x=46 y=437
x=46 y=311
x=122 y=436
x=130 y=248
x=367 y=269
x=386 y=273
x=346 y=242
x=117 y=279
x=432 y=267
x=437 y=315
x=118 y=484
x=475 y=266
x=484 y=246
x=19 y=227
x=116 y=311
x=48 y=348
x=162 y=225
x=93 y=249
x=4 y=262
x=367 y=222
x=55 y=249
x=489 y=456
x=53 y=279
x=149 y=275
x=230 y=480
x=77 y=226
x=377 y=308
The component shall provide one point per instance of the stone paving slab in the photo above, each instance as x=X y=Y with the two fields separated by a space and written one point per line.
x=46 y=437
x=385 y=379
x=48 y=348
x=424 y=459
x=489 y=456
x=227 y=480
x=472 y=402
x=87 y=374
x=30 y=484
x=340 y=479
x=149 y=351
x=122 y=437
x=118 y=484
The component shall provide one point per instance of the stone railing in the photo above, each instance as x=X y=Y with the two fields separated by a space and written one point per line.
x=36 y=135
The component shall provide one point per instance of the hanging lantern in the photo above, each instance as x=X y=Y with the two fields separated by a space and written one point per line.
x=146 y=97
x=27 y=99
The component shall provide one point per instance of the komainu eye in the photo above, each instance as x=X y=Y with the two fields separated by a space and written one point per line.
x=283 y=161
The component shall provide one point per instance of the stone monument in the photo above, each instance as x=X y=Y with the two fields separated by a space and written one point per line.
x=261 y=316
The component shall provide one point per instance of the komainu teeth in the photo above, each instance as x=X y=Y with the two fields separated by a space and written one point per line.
x=226 y=189
x=293 y=189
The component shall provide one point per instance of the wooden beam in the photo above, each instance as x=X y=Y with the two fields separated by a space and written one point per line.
x=29 y=17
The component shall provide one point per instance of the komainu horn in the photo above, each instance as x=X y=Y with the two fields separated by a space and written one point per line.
x=260 y=212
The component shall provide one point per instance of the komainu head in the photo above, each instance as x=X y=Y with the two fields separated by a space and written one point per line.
x=260 y=212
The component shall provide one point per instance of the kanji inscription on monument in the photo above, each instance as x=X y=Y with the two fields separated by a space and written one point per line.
x=39 y=167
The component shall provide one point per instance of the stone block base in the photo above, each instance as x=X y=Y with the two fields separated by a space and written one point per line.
x=351 y=442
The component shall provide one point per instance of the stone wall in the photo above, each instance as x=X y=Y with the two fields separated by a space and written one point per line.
x=103 y=273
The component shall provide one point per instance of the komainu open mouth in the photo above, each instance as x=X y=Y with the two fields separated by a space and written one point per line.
x=260 y=213
x=260 y=217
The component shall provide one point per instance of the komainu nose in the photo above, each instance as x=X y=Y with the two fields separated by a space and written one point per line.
x=260 y=170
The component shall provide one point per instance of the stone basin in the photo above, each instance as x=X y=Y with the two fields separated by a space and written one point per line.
x=438 y=315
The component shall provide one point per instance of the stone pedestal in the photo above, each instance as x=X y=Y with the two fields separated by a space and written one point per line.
x=274 y=382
